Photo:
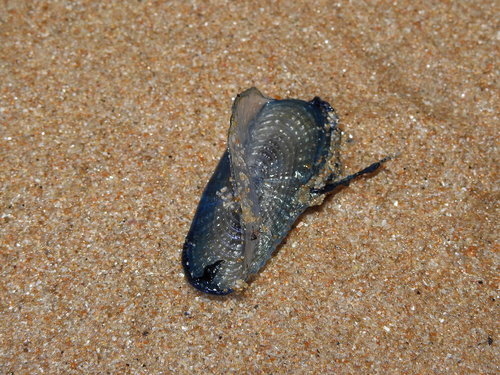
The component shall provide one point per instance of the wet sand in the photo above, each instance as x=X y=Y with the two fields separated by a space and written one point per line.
x=113 y=116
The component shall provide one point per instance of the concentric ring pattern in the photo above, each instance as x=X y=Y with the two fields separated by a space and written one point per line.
x=280 y=154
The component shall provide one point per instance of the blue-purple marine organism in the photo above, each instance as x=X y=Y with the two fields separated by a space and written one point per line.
x=282 y=157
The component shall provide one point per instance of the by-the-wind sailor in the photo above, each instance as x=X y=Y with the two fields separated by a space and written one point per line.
x=282 y=157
